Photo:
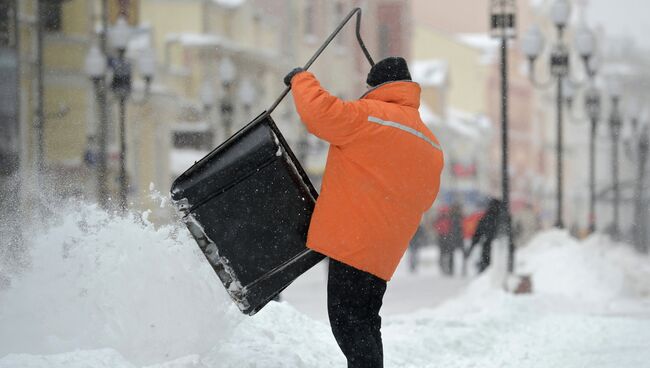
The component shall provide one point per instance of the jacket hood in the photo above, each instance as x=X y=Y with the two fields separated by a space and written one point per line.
x=405 y=93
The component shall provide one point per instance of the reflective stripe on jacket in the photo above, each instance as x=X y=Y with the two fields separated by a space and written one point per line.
x=382 y=173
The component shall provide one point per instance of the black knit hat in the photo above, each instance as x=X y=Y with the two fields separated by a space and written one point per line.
x=390 y=69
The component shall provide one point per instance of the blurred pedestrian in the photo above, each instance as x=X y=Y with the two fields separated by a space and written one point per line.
x=383 y=172
x=442 y=226
x=420 y=239
x=456 y=233
x=486 y=231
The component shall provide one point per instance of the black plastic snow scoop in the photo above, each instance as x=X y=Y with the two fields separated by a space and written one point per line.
x=248 y=204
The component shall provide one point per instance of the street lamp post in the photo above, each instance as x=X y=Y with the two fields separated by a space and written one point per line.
x=227 y=73
x=533 y=42
x=592 y=108
x=592 y=104
x=95 y=67
x=640 y=235
x=615 y=123
x=208 y=99
x=246 y=95
x=121 y=87
x=502 y=23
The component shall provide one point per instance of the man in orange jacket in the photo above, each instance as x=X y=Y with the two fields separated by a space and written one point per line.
x=382 y=173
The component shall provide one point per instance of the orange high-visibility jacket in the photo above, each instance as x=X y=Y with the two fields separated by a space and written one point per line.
x=382 y=173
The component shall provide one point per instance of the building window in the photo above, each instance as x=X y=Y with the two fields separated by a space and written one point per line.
x=51 y=14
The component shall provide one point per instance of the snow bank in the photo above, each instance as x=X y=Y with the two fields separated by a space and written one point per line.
x=113 y=292
x=596 y=269
x=277 y=337
x=103 y=281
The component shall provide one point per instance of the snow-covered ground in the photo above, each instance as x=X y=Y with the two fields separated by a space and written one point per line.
x=103 y=291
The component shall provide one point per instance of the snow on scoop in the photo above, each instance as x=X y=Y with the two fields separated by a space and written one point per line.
x=248 y=204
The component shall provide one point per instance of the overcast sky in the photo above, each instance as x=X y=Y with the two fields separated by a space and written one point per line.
x=622 y=17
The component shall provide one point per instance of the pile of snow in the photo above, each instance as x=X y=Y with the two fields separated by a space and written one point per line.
x=97 y=280
x=596 y=269
x=106 y=291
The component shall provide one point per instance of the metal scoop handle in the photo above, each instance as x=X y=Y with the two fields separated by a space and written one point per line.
x=324 y=46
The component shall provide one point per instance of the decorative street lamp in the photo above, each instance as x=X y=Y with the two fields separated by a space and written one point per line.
x=502 y=23
x=227 y=74
x=147 y=67
x=532 y=45
x=246 y=95
x=615 y=123
x=641 y=134
x=208 y=99
x=592 y=104
x=121 y=86
x=95 y=67
x=208 y=96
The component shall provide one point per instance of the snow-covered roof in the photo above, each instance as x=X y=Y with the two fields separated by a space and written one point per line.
x=482 y=42
x=430 y=73
x=229 y=3
x=181 y=159
x=467 y=124
x=189 y=39
x=195 y=39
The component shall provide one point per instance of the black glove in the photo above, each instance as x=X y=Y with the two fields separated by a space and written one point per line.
x=288 y=77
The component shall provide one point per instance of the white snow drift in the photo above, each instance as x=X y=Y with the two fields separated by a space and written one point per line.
x=105 y=291
x=99 y=281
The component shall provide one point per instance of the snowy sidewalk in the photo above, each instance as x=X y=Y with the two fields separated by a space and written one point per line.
x=115 y=292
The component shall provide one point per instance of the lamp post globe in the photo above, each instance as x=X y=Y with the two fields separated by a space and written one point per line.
x=208 y=96
x=227 y=71
x=560 y=13
x=147 y=64
x=246 y=93
x=585 y=42
x=532 y=43
x=95 y=63
x=119 y=34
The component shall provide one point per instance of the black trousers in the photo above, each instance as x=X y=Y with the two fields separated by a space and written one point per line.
x=354 y=298
x=486 y=252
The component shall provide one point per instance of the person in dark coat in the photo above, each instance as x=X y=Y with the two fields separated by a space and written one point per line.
x=455 y=238
x=486 y=231
x=420 y=239
x=442 y=227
